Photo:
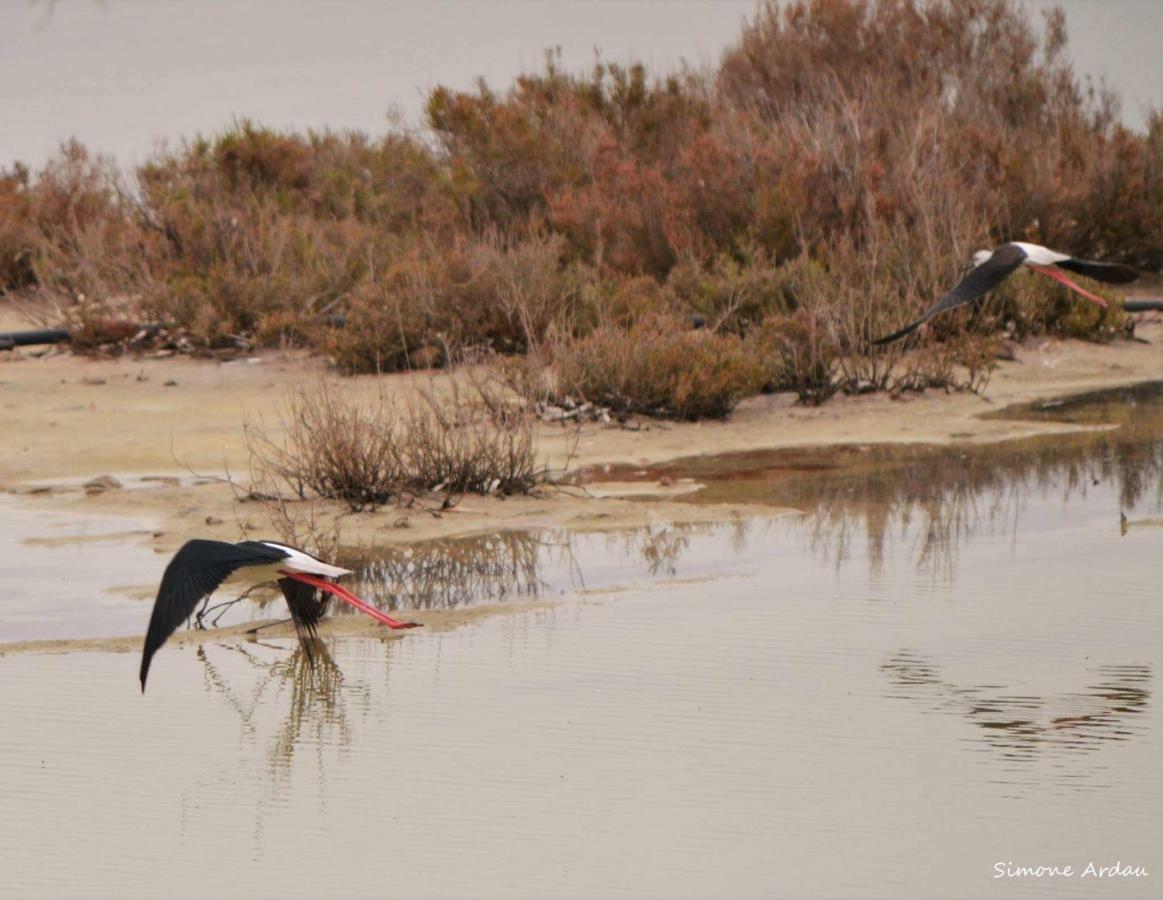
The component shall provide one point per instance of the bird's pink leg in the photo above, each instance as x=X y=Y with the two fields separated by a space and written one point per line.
x=1058 y=276
x=347 y=596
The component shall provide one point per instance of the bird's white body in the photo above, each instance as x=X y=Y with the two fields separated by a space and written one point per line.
x=1036 y=255
x=296 y=561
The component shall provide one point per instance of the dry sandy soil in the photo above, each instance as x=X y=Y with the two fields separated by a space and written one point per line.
x=68 y=418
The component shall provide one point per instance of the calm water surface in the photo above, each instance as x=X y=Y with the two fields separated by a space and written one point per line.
x=950 y=660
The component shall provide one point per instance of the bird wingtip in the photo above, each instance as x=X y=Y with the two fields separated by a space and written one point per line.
x=889 y=338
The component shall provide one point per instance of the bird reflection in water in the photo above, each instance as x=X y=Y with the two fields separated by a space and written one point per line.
x=314 y=685
x=293 y=703
x=1022 y=727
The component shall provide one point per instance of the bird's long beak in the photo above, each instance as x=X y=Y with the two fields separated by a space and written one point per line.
x=347 y=596
x=1058 y=276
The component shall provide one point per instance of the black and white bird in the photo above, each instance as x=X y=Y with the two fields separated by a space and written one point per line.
x=992 y=268
x=200 y=567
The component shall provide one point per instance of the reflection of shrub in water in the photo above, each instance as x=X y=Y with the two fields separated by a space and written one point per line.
x=453 y=573
x=661 y=547
x=947 y=496
x=507 y=565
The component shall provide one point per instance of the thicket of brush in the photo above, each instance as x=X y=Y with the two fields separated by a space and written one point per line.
x=366 y=454
x=821 y=186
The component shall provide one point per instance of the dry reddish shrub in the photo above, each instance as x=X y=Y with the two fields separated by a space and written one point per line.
x=798 y=353
x=262 y=230
x=70 y=230
x=17 y=237
x=853 y=94
x=658 y=366
x=436 y=301
x=731 y=294
x=624 y=217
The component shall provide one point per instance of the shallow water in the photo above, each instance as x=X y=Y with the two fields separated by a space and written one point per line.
x=885 y=479
x=877 y=699
x=61 y=572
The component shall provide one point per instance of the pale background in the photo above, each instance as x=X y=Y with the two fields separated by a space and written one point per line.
x=123 y=74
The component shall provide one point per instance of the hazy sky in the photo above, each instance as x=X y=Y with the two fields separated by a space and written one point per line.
x=121 y=74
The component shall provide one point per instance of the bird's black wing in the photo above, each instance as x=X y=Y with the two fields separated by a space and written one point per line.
x=1111 y=273
x=306 y=611
x=195 y=572
x=983 y=279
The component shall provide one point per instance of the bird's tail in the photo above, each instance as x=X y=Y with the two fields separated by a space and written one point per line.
x=1110 y=273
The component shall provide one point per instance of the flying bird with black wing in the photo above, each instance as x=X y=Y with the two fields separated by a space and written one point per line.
x=992 y=268
x=200 y=567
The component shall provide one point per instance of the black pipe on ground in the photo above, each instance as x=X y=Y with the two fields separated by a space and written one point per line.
x=30 y=338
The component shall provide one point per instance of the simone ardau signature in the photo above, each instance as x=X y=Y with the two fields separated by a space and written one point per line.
x=1092 y=869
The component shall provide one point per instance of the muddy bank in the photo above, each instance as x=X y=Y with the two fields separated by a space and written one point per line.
x=70 y=416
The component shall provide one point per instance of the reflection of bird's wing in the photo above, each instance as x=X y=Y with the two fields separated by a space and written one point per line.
x=1111 y=273
x=306 y=611
x=983 y=279
x=195 y=572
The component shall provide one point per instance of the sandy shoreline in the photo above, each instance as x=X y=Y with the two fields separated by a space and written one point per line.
x=68 y=418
